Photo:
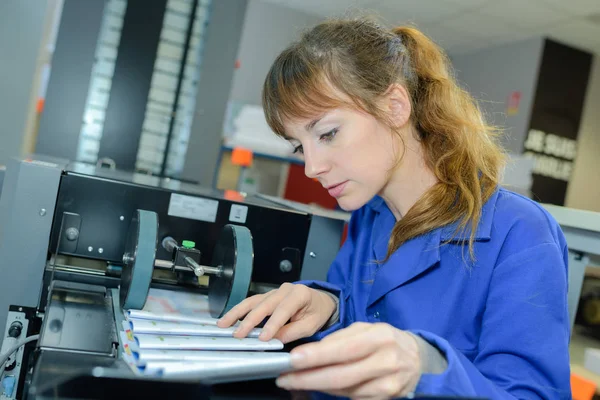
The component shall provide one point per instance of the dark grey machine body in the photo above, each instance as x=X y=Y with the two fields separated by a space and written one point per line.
x=27 y=207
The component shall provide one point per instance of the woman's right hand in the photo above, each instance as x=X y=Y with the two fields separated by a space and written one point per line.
x=307 y=310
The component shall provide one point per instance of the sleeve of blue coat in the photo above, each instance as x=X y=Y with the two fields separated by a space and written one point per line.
x=337 y=276
x=523 y=350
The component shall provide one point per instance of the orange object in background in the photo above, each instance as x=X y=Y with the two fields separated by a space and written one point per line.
x=581 y=388
x=233 y=195
x=242 y=157
x=39 y=105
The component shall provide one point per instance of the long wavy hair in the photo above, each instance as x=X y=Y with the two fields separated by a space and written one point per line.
x=362 y=59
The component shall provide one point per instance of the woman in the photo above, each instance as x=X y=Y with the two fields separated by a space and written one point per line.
x=446 y=284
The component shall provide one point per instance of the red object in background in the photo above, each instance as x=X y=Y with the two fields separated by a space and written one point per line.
x=344 y=234
x=305 y=190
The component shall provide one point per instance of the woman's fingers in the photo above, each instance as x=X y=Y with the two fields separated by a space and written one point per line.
x=239 y=311
x=287 y=304
x=352 y=343
x=287 y=308
x=295 y=330
x=260 y=311
x=343 y=376
x=383 y=387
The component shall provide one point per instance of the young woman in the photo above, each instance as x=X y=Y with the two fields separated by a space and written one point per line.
x=447 y=284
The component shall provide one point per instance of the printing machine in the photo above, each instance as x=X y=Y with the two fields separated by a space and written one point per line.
x=69 y=237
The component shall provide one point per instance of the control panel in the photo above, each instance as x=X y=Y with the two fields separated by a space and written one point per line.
x=16 y=330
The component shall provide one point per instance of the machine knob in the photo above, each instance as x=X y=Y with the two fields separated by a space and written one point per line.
x=285 y=265
x=72 y=234
x=15 y=329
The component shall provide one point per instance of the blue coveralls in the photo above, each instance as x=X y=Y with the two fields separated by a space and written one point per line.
x=502 y=323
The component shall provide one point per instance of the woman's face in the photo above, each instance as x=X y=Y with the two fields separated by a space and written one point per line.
x=349 y=152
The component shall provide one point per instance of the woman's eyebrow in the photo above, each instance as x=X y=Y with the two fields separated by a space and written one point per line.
x=312 y=123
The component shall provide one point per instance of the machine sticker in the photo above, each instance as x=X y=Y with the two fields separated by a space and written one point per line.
x=238 y=213
x=193 y=208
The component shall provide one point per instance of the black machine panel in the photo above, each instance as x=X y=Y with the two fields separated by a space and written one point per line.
x=95 y=213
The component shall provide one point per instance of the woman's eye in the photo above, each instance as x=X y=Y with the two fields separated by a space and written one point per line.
x=327 y=137
x=298 y=149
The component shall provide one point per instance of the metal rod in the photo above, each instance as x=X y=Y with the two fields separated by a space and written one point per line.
x=200 y=270
x=169 y=244
x=163 y=264
x=193 y=265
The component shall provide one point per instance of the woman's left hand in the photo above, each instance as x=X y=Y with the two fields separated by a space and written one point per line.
x=375 y=361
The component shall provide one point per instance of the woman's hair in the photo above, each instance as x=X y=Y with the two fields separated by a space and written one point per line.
x=362 y=59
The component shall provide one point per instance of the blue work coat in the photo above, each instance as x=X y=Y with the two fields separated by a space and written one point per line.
x=501 y=321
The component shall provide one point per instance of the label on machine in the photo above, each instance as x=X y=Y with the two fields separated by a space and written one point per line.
x=238 y=213
x=193 y=208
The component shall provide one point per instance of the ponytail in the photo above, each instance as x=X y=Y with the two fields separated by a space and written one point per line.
x=458 y=145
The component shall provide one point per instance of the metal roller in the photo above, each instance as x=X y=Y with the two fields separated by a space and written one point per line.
x=229 y=275
x=234 y=256
x=138 y=260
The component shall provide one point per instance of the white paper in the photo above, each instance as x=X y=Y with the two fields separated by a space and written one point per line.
x=140 y=314
x=146 y=341
x=219 y=371
x=148 y=355
x=169 y=354
x=177 y=303
x=128 y=355
x=183 y=329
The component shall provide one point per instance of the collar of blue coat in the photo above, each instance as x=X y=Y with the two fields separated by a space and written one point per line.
x=417 y=255
x=484 y=227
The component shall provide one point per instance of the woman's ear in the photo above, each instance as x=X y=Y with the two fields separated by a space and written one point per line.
x=398 y=106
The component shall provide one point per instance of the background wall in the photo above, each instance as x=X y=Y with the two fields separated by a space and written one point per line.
x=21 y=34
x=267 y=30
x=584 y=188
x=72 y=62
x=220 y=49
x=492 y=74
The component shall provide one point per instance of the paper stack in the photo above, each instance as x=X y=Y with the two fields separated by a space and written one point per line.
x=175 y=337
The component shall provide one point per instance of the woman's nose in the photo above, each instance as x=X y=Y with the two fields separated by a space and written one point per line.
x=314 y=164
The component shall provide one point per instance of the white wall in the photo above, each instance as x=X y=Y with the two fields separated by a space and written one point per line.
x=492 y=74
x=584 y=189
x=267 y=30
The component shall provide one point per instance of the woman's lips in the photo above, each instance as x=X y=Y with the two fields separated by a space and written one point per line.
x=336 y=190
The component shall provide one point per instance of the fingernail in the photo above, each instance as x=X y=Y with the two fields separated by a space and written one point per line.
x=282 y=381
x=297 y=357
x=263 y=335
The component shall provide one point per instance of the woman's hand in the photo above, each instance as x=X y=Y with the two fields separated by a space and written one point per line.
x=307 y=310
x=374 y=361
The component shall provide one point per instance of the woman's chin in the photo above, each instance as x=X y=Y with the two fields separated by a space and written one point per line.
x=350 y=203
